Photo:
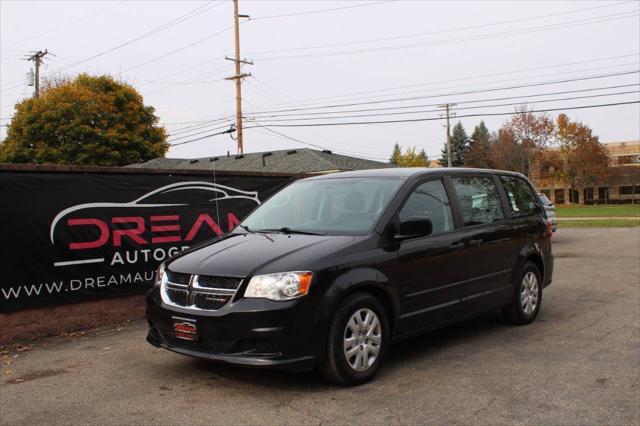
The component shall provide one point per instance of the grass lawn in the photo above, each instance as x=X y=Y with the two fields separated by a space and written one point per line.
x=599 y=223
x=627 y=210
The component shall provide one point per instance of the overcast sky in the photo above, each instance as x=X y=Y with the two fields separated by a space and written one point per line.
x=310 y=54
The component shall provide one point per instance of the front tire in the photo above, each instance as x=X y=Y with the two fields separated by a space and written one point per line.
x=357 y=342
x=527 y=296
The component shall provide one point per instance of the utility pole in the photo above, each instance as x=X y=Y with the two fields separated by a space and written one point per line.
x=37 y=60
x=448 y=115
x=238 y=75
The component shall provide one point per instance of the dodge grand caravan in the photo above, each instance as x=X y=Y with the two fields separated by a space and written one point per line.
x=332 y=269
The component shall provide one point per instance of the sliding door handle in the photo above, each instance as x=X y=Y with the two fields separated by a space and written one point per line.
x=475 y=243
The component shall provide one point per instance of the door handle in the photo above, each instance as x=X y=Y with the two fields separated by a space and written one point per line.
x=475 y=243
x=456 y=246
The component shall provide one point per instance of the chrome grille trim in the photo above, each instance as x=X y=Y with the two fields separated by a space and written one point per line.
x=196 y=294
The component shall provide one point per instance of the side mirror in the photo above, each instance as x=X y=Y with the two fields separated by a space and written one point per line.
x=416 y=226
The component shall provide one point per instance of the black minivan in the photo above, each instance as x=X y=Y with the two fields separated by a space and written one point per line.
x=332 y=269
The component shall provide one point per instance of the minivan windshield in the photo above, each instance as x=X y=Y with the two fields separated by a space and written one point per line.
x=332 y=206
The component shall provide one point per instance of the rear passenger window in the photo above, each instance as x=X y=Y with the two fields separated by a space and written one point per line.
x=429 y=200
x=521 y=197
x=479 y=200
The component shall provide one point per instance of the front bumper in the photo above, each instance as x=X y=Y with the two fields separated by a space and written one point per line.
x=249 y=332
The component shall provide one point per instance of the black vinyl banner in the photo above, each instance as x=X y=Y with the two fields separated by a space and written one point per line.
x=70 y=237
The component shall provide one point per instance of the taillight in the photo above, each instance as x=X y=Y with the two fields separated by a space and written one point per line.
x=549 y=230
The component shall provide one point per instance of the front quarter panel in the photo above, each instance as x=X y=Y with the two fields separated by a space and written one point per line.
x=347 y=282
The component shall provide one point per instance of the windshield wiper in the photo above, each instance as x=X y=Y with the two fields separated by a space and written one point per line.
x=287 y=230
x=245 y=227
x=250 y=231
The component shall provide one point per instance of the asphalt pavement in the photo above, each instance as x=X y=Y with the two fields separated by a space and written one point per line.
x=579 y=363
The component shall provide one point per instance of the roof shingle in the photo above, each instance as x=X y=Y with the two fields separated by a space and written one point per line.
x=300 y=160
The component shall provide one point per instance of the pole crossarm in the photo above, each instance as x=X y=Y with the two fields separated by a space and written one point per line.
x=242 y=61
x=235 y=77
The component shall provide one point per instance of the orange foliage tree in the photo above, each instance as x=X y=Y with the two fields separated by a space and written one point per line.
x=586 y=161
x=87 y=121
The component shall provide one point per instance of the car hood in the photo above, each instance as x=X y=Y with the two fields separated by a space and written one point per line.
x=241 y=255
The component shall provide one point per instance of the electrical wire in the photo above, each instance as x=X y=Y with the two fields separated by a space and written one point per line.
x=180 y=49
x=259 y=125
x=355 y=95
x=458 y=102
x=548 y=27
x=413 y=120
x=182 y=18
x=471 y=27
x=200 y=138
x=523 y=97
x=66 y=24
x=197 y=133
x=456 y=109
x=365 y=156
x=313 y=12
x=493 y=89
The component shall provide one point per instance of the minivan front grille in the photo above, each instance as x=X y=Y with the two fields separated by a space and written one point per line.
x=178 y=297
x=209 y=281
x=177 y=277
x=205 y=292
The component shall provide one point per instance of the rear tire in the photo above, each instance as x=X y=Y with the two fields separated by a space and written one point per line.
x=527 y=296
x=358 y=339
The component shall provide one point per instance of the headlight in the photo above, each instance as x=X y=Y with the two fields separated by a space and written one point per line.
x=282 y=286
x=159 y=274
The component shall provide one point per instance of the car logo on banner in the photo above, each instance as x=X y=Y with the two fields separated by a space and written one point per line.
x=93 y=227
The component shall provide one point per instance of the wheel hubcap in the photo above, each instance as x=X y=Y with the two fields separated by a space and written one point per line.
x=362 y=339
x=529 y=293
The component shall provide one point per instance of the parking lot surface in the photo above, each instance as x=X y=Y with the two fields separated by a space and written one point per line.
x=579 y=363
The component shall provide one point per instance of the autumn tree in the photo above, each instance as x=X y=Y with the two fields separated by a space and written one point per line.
x=532 y=132
x=86 y=121
x=586 y=161
x=459 y=147
x=410 y=158
x=506 y=152
x=479 y=153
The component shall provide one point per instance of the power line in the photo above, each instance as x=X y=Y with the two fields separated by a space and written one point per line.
x=180 y=49
x=201 y=125
x=548 y=27
x=436 y=104
x=230 y=130
x=66 y=24
x=461 y=108
x=471 y=27
x=494 y=89
x=412 y=120
x=259 y=125
x=313 y=12
x=189 y=15
x=198 y=133
x=354 y=95
x=180 y=71
x=366 y=156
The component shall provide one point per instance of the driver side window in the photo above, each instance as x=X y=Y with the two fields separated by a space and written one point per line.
x=429 y=200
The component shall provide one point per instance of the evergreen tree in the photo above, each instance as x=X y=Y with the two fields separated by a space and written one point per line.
x=395 y=155
x=422 y=156
x=459 y=147
x=479 y=154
